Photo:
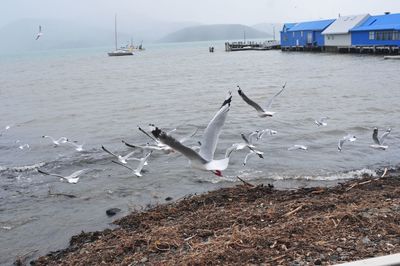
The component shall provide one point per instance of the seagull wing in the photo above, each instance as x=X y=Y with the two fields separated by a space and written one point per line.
x=182 y=140
x=142 y=162
x=128 y=155
x=177 y=146
x=212 y=132
x=250 y=102
x=109 y=152
x=245 y=139
x=123 y=165
x=375 y=136
x=147 y=134
x=384 y=135
x=247 y=156
x=340 y=144
x=46 y=173
x=75 y=174
x=269 y=103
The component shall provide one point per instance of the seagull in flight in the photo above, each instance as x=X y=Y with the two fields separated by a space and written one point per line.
x=5 y=129
x=204 y=159
x=298 y=147
x=262 y=112
x=121 y=159
x=78 y=147
x=380 y=141
x=321 y=121
x=142 y=163
x=349 y=138
x=248 y=143
x=40 y=33
x=72 y=178
x=267 y=131
x=57 y=142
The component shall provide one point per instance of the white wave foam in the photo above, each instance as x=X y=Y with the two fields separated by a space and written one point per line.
x=331 y=177
x=23 y=168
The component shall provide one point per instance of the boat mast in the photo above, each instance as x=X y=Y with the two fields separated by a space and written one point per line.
x=115 y=32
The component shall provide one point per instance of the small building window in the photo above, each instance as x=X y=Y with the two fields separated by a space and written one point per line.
x=386 y=35
x=301 y=33
x=293 y=34
x=396 y=35
x=379 y=35
x=333 y=37
x=372 y=35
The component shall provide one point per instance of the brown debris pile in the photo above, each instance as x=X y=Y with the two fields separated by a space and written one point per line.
x=251 y=225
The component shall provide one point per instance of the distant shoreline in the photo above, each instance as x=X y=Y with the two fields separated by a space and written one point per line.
x=252 y=224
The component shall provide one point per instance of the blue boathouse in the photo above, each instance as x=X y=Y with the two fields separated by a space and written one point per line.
x=383 y=30
x=304 y=35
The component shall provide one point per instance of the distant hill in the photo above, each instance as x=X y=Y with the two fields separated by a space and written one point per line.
x=214 y=32
x=269 y=28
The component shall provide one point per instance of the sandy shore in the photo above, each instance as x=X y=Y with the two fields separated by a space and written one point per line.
x=251 y=225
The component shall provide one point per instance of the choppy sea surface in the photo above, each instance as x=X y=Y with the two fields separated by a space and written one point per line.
x=94 y=99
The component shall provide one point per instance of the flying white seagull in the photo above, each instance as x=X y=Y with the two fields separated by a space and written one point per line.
x=121 y=159
x=262 y=112
x=5 y=129
x=321 y=121
x=298 y=147
x=72 y=178
x=138 y=170
x=248 y=143
x=349 y=138
x=267 y=131
x=78 y=147
x=40 y=33
x=57 y=142
x=204 y=159
x=380 y=141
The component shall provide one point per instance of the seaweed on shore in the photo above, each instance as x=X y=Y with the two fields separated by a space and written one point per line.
x=251 y=225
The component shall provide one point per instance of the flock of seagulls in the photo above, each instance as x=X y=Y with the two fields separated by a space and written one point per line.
x=201 y=156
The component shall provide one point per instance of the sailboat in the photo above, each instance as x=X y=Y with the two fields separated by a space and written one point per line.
x=118 y=52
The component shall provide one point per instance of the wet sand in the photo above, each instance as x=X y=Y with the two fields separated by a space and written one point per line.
x=250 y=224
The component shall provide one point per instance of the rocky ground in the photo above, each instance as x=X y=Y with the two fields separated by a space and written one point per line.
x=251 y=225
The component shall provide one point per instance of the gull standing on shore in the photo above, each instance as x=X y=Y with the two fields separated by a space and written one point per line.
x=262 y=112
x=72 y=178
x=380 y=141
x=204 y=159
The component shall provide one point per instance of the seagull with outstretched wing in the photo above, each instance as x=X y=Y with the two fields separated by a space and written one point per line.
x=204 y=159
x=262 y=111
x=379 y=142
x=40 y=33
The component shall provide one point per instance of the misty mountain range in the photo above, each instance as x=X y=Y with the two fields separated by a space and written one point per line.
x=58 y=34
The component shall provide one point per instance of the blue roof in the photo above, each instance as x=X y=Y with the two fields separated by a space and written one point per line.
x=318 y=25
x=382 y=22
x=288 y=26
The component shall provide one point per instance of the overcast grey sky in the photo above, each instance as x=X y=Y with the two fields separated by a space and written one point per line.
x=203 y=11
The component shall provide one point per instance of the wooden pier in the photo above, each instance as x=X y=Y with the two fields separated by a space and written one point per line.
x=252 y=46
x=387 y=50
